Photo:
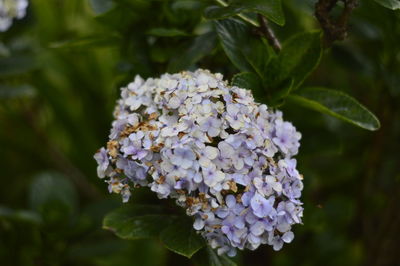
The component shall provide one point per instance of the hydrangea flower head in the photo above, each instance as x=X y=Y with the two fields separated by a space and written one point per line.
x=223 y=157
x=9 y=10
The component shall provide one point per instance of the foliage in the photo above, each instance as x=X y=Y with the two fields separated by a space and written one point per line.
x=60 y=70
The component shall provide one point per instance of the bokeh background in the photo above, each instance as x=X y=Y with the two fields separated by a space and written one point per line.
x=60 y=72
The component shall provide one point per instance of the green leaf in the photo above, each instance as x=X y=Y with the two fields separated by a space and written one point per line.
x=299 y=57
x=17 y=64
x=246 y=80
x=20 y=215
x=101 y=6
x=391 y=4
x=271 y=9
x=246 y=51
x=166 y=32
x=201 y=46
x=119 y=18
x=16 y=91
x=250 y=81
x=137 y=221
x=216 y=260
x=49 y=188
x=181 y=238
x=87 y=42
x=337 y=104
x=279 y=96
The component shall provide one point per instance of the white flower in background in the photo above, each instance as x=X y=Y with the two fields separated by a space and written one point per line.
x=223 y=157
x=9 y=10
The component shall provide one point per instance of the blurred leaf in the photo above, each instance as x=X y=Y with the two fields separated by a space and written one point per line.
x=4 y=50
x=48 y=188
x=202 y=45
x=271 y=9
x=300 y=55
x=118 y=18
x=101 y=6
x=247 y=52
x=96 y=211
x=216 y=260
x=20 y=215
x=87 y=42
x=391 y=4
x=181 y=238
x=337 y=104
x=166 y=32
x=137 y=221
x=16 y=91
x=17 y=64
x=96 y=248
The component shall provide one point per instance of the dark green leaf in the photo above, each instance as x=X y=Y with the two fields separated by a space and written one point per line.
x=18 y=64
x=48 y=188
x=181 y=238
x=11 y=92
x=101 y=6
x=4 y=50
x=137 y=221
x=271 y=9
x=201 y=46
x=300 y=55
x=118 y=18
x=279 y=96
x=87 y=42
x=216 y=260
x=246 y=80
x=337 y=104
x=166 y=32
x=246 y=51
x=391 y=4
x=250 y=81
x=20 y=215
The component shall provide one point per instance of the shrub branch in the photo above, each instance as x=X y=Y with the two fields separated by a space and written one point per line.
x=334 y=29
x=268 y=33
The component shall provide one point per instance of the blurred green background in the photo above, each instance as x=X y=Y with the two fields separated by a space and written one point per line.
x=60 y=72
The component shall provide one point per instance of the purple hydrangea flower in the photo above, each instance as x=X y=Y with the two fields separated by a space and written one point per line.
x=103 y=162
x=261 y=206
x=220 y=155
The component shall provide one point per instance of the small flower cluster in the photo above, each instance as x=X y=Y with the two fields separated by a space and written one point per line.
x=223 y=157
x=9 y=10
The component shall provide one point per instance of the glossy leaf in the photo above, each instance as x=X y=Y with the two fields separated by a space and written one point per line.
x=246 y=51
x=201 y=46
x=181 y=238
x=246 y=80
x=337 y=104
x=250 y=81
x=278 y=97
x=299 y=57
x=137 y=221
x=271 y=9
x=391 y=4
